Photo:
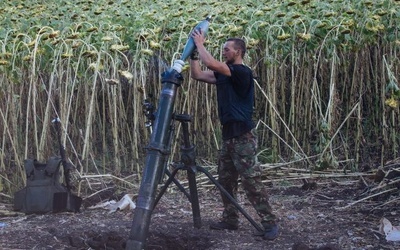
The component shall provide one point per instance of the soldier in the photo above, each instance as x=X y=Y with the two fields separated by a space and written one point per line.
x=235 y=96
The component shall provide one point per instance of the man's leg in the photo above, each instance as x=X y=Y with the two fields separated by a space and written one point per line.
x=228 y=178
x=246 y=162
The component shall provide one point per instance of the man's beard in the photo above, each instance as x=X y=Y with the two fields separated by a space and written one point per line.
x=229 y=61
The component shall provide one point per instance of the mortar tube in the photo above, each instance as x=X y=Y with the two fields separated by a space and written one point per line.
x=156 y=152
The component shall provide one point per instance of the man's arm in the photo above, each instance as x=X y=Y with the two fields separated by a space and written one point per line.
x=211 y=63
x=207 y=59
x=200 y=75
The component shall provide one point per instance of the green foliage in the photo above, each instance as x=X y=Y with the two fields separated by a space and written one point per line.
x=153 y=25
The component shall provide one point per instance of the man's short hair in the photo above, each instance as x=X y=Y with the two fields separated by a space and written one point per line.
x=238 y=44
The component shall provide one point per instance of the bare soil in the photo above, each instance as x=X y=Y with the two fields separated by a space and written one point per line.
x=310 y=216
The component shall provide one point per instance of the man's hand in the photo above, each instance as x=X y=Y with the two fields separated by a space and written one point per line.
x=198 y=37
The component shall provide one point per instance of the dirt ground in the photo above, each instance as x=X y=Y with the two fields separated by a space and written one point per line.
x=313 y=217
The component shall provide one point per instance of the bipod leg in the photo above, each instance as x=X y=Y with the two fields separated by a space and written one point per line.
x=168 y=182
x=195 y=198
x=177 y=183
x=188 y=158
x=231 y=199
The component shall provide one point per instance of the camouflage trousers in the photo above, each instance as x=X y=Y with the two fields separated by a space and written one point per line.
x=238 y=157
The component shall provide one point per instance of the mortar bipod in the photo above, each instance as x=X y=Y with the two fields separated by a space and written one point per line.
x=188 y=163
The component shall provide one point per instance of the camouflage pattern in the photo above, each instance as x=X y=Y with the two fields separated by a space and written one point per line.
x=238 y=156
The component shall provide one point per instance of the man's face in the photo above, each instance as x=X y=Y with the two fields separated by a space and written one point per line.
x=230 y=53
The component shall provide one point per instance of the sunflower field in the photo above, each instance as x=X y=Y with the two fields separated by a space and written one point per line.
x=327 y=93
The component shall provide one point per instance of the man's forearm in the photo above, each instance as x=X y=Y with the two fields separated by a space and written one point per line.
x=195 y=69
x=206 y=58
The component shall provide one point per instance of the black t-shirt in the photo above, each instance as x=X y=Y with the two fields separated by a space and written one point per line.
x=235 y=100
